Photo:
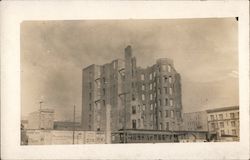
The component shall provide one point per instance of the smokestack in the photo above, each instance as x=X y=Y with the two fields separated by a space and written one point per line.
x=128 y=52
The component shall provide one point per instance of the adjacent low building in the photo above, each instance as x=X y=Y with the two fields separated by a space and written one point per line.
x=222 y=123
x=195 y=121
x=225 y=123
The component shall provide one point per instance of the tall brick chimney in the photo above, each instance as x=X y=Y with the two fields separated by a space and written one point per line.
x=128 y=52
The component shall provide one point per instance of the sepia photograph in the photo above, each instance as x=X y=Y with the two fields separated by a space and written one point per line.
x=124 y=80
x=129 y=81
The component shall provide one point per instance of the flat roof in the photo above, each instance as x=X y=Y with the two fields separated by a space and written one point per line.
x=223 y=109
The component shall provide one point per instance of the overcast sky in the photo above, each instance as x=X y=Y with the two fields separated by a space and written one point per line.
x=53 y=53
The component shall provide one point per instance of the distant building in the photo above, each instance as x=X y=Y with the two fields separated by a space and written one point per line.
x=41 y=119
x=65 y=125
x=140 y=98
x=195 y=121
x=24 y=124
x=224 y=122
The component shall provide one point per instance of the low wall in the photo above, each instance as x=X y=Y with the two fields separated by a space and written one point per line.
x=46 y=137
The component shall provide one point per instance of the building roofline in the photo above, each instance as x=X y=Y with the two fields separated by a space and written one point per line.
x=164 y=60
x=214 y=110
x=66 y=122
x=195 y=112
x=89 y=66
x=223 y=109
x=99 y=65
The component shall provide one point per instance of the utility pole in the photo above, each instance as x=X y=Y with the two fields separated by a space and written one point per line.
x=125 y=118
x=41 y=104
x=74 y=125
x=40 y=108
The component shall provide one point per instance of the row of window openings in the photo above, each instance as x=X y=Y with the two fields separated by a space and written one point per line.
x=164 y=67
x=143 y=108
x=142 y=75
x=143 y=97
x=140 y=108
x=114 y=66
x=193 y=123
x=171 y=103
x=151 y=75
x=143 y=88
x=161 y=127
x=167 y=102
x=222 y=132
x=98 y=81
x=160 y=113
x=166 y=79
x=166 y=89
x=213 y=125
x=232 y=115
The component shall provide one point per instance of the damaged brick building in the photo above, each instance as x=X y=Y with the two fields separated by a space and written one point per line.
x=139 y=98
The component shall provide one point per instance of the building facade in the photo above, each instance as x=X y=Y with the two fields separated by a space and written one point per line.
x=139 y=98
x=224 y=122
x=42 y=119
x=195 y=121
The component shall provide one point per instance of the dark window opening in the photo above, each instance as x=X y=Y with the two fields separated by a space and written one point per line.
x=90 y=96
x=103 y=91
x=133 y=97
x=134 y=124
x=133 y=109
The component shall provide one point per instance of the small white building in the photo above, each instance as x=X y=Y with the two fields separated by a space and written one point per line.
x=41 y=119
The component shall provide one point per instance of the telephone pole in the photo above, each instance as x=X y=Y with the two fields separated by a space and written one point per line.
x=40 y=107
x=74 y=125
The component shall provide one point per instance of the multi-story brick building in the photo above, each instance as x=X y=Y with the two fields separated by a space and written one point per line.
x=224 y=122
x=140 y=98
